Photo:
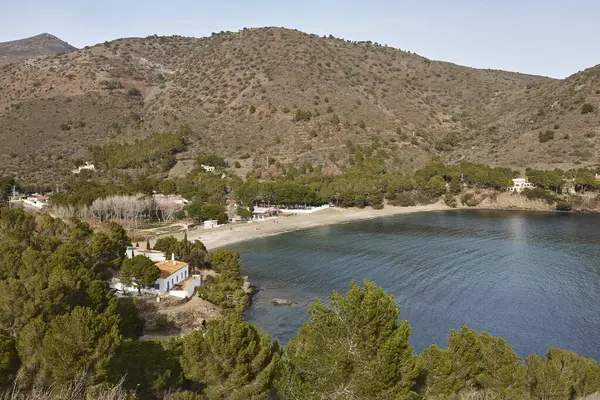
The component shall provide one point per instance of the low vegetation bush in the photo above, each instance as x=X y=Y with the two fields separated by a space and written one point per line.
x=546 y=136
x=448 y=143
x=563 y=205
x=450 y=200
x=587 y=108
x=303 y=115
x=134 y=92
x=225 y=289
x=539 y=194
x=469 y=199
x=156 y=153
x=213 y=160
x=405 y=199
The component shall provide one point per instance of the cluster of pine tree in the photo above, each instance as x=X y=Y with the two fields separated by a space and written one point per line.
x=156 y=153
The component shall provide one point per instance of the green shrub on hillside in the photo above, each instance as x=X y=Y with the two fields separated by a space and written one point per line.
x=303 y=115
x=469 y=199
x=563 y=205
x=587 y=108
x=450 y=200
x=213 y=160
x=539 y=194
x=546 y=136
x=156 y=153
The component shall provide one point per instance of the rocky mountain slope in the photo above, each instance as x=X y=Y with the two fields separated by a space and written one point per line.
x=292 y=98
x=35 y=46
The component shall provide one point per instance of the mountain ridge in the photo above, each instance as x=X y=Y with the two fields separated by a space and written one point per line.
x=239 y=93
x=42 y=44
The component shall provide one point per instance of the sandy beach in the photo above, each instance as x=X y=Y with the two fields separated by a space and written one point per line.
x=233 y=233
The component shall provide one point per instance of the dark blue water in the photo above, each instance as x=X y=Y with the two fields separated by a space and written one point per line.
x=531 y=278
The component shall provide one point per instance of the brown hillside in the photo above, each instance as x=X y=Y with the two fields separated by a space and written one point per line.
x=239 y=93
x=35 y=46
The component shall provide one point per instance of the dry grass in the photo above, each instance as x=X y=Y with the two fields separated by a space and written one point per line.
x=75 y=391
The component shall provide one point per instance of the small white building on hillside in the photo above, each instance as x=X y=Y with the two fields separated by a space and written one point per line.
x=210 y=224
x=87 y=166
x=208 y=168
x=171 y=273
x=520 y=184
x=36 y=201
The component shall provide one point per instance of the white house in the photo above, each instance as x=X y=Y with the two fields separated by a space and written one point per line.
x=210 y=223
x=172 y=273
x=175 y=280
x=87 y=165
x=36 y=200
x=520 y=184
x=154 y=255
x=208 y=168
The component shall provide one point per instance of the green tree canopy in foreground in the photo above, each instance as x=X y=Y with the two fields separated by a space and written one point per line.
x=61 y=328
x=233 y=359
x=139 y=271
x=354 y=349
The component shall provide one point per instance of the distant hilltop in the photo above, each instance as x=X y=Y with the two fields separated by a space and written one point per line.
x=279 y=101
x=35 y=46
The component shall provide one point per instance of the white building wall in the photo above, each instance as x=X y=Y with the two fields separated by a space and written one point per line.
x=520 y=184
x=189 y=292
x=165 y=284
x=304 y=210
x=155 y=256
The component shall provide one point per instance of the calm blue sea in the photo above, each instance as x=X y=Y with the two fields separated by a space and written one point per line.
x=531 y=278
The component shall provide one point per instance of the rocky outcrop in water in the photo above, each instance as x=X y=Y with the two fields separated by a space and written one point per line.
x=283 y=302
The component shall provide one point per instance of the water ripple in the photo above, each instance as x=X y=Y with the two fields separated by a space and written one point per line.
x=531 y=278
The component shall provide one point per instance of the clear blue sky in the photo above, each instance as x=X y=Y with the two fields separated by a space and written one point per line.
x=546 y=37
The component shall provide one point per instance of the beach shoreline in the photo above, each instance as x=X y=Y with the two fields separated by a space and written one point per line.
x=243 y=231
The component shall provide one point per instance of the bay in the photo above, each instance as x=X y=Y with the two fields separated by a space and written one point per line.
x=531 y=278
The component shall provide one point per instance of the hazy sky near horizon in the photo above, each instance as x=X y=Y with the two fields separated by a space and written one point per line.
x=545 y=37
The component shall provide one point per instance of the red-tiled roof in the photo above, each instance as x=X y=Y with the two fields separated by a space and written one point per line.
x=168 y=268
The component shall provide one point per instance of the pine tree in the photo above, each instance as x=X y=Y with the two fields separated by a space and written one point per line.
x=473 y=362
x=77 y=343
x=562 y=374
x=9 y=361
x=233 y=359
x=354 y=349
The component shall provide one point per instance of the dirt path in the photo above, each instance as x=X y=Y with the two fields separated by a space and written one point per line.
x=171 y=318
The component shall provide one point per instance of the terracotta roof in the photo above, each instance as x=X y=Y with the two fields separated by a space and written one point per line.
x=168 y=268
